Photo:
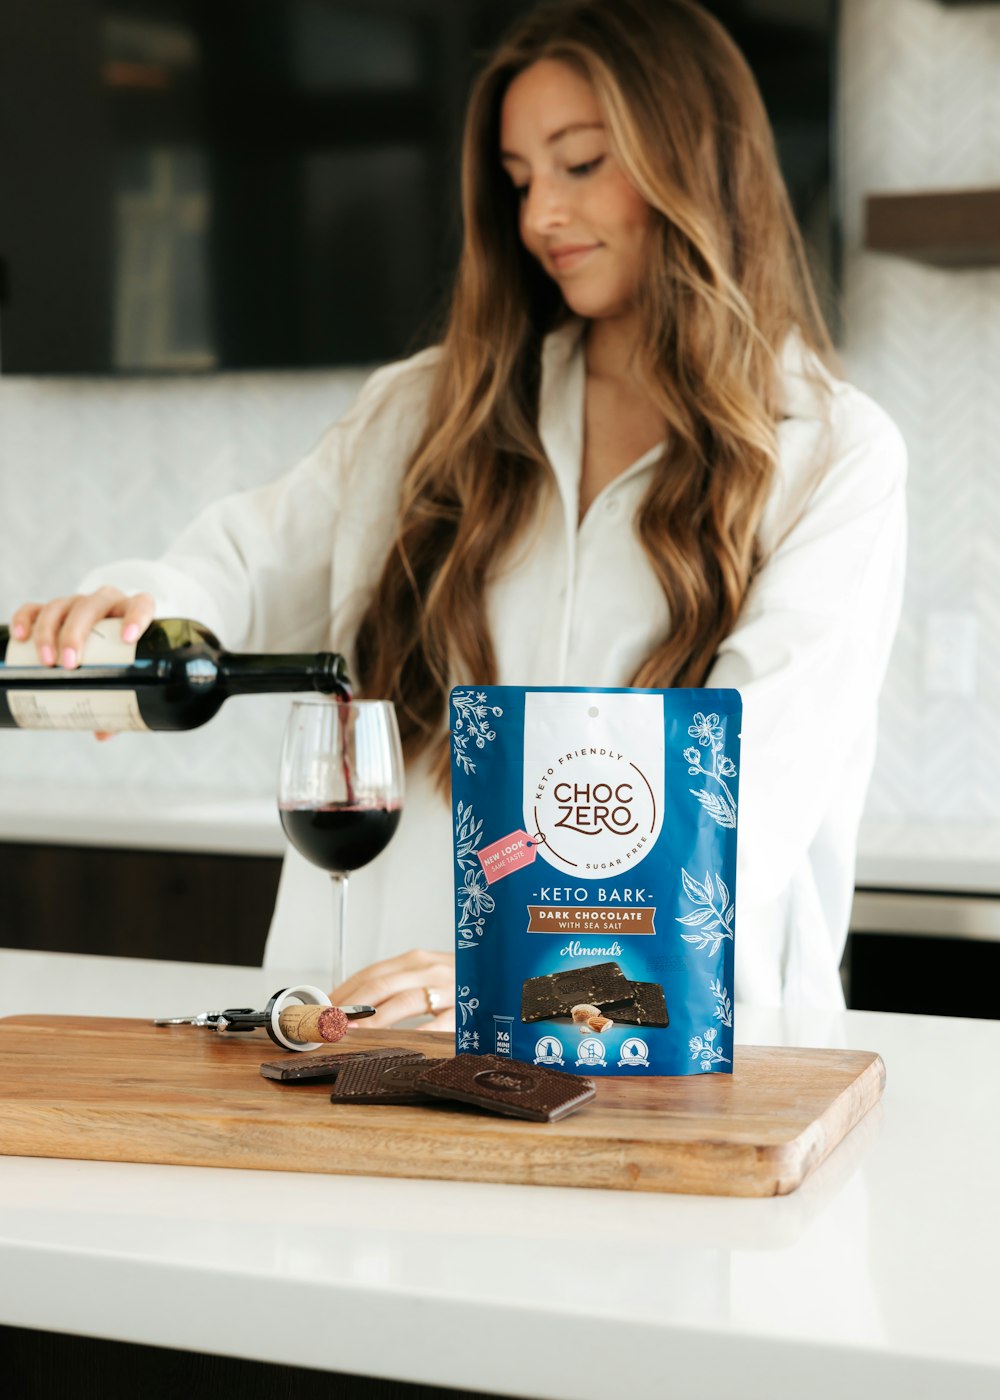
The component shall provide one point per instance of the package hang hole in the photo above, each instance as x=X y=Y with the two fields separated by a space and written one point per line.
x=593 y=712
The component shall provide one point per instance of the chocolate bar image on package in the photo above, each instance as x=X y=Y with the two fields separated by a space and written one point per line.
x=601 y=984
x=647 y=1006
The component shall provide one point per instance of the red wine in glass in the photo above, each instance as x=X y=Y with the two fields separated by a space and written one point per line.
x=340 y=791
x=340 y=838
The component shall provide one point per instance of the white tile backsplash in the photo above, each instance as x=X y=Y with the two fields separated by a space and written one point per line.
x=94 y=469
x=920 y=105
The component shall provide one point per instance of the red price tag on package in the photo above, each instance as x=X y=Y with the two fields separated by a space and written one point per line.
x=511 y=853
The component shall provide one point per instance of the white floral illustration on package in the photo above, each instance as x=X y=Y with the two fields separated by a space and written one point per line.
x=714 y=915
x=474 y=898
x=468 y=834
x=474 y=903
x=472 y=722
x=704 y=1045
x=467 y=1008
x=724 y=1009
x=720 y=806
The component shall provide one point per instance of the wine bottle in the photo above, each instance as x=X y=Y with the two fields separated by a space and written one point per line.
x=176 y=676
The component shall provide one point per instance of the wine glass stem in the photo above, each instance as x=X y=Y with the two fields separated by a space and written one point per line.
x=339 y=930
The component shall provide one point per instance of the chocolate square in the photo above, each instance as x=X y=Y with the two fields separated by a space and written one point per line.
x=387 y=1080
x=600 y=984
x=298 y=1069
x=647 y=1006
x=510 y=1087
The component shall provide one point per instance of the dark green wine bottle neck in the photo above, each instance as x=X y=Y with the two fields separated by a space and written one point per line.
x=243 y=673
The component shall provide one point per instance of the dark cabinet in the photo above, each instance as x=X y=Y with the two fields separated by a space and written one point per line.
x=176 y=905
x=926 y=953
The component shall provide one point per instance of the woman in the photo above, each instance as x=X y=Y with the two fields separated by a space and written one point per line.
x=625 y=464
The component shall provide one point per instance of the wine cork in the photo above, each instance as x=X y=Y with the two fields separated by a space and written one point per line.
x=304 y=1024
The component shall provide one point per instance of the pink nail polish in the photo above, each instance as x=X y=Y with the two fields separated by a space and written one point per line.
x=47 y=655
x=68 y=657
x=18 y=631
x=130 y=632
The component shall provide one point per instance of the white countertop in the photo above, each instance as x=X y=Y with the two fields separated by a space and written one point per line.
x=891 y=855
x=877 y=1277
x=929 y=856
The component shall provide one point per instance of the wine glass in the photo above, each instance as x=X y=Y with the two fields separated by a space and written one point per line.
x=340 y=791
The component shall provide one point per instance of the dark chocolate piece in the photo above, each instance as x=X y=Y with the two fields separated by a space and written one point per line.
x=647 y=1007
x=297 y=1069
x=511 y=1087
x=389 y=1080
x=600 y=984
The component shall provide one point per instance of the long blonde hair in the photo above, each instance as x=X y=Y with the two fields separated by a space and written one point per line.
x=726 y=284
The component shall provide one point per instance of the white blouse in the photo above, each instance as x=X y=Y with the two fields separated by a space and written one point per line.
x=291 y=566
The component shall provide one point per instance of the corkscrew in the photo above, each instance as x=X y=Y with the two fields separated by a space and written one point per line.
x=292 y=1017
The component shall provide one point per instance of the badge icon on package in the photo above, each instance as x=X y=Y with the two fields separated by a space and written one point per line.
x=595 y=874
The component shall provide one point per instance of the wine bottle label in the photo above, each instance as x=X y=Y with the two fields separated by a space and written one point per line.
x=77 y=706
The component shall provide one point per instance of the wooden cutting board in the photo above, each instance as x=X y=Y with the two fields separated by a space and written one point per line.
x=126 y=1091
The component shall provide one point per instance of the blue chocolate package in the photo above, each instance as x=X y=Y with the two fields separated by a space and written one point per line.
x=595 y=876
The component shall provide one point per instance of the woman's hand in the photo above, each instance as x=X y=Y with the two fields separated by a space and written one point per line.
x=61 y=627
x=417 y=983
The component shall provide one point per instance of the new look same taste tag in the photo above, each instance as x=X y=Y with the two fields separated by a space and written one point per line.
x=503 y=857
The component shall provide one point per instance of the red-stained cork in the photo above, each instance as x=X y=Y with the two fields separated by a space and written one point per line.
x=306 y=1024
x=333 y=1024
